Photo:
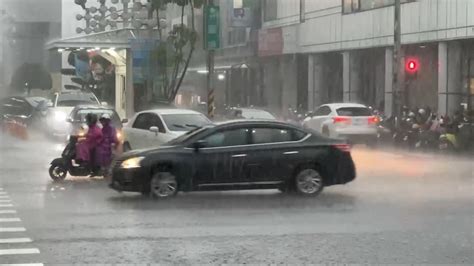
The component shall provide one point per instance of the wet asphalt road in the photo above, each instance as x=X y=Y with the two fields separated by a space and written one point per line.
x=403 y=208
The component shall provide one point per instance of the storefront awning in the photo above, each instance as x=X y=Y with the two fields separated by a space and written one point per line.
x=119 y=39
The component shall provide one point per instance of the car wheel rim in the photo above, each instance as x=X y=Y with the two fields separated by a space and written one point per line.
x=309 y=181
x=164 y=187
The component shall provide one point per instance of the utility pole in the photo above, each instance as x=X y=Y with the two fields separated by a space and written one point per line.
x=212 y=42
x=397 y=54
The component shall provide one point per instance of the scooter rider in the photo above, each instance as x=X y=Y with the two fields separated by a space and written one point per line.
x=87 y=148
x=109 y=141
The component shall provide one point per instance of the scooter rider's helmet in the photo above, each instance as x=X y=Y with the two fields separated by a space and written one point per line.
x=105 y=117
x=91 y=119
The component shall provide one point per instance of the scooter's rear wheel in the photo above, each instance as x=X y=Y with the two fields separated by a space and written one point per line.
x=57 y=172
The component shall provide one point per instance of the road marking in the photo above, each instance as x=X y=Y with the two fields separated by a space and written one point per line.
x=15 y=240
x=5 y=201
x=6 y=205
x=3 y=193
x=9 y=220
x=1 y=188
x=12 y=229
x=4 y=197
x=7 y=211
x=19 y=251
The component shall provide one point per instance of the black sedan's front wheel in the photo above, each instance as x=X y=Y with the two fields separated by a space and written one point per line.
x=163 y=185
x=309 y=182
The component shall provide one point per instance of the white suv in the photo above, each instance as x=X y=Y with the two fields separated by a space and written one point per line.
x=153 y=128
x=61 y=106
x=344 y=120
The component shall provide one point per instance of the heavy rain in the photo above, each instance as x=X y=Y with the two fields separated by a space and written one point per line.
x=236 y=132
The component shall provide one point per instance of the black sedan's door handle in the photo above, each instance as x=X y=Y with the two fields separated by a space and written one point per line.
x=239 y=155
x=291 y=152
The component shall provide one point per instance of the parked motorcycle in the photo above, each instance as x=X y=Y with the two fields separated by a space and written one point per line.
x=458 y=137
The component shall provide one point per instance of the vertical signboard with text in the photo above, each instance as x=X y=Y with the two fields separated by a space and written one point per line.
x=212 y=29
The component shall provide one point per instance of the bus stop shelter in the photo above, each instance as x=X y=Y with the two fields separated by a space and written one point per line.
x=115 y=46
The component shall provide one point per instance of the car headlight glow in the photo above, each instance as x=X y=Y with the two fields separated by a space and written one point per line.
x=60 y=116
x=119 y=136
x=132 y=163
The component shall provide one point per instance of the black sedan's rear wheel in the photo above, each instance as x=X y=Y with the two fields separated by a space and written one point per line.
x=163 y=185
x=308 y=182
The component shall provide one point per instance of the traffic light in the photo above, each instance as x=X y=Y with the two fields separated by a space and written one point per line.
x=412 y=66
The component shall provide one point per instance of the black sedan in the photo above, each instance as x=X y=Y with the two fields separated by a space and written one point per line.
x=237 y=155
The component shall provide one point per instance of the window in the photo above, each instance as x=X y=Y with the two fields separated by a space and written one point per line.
x=354 y=111
x=350 y=6
x=234 y=137
x=322 y=111
x=270 y=10
x=299 y=135
x=276 y=135
x=237 y=36
x=270 y=135
x=147 y=120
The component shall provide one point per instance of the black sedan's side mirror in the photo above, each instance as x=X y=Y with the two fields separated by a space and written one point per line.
x=124 y=121
x=199 y=145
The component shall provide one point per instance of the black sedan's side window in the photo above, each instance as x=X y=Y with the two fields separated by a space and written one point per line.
x=227 y=138
x=299 y=135
x=276 y=135
x=271 y=135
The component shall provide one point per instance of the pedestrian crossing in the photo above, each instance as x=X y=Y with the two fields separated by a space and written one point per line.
x=14 y=245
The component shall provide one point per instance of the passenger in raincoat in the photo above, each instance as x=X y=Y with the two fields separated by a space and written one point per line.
x=86 y=150
x=109 y=140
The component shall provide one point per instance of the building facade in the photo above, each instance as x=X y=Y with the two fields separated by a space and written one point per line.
x=26 y=25
x=343 y=49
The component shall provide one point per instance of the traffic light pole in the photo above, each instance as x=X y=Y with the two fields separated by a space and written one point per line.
x=396 y=88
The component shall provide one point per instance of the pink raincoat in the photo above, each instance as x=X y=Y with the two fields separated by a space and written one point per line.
x=104 y=150
x=86 y=149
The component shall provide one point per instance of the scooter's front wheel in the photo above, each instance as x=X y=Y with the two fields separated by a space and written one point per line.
x=57 y=172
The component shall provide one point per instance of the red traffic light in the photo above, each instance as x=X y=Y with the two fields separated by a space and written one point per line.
x=411 y=65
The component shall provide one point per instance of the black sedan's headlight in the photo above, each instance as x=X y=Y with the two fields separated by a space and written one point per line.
x=132 y=163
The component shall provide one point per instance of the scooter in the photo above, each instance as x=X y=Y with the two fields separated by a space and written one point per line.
x=60 y=167
x=459 y=139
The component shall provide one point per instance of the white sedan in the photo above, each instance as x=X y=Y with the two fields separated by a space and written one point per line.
x=153 y=128
x=344 y=120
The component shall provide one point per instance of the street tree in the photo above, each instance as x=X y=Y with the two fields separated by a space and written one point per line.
x=31 y=76
x=173 y=54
